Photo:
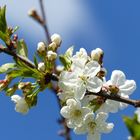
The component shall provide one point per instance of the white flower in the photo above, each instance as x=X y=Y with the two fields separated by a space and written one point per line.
x=65 y=95
x=96 y=54
x=21 y=104
x=51 y=55
x=41 y=47
x=79 y=59
x=125 y=88
x=74 y=113
x=138 y=114
x=41 y=67
x=82 y=79
x=56 y=38
x=94 y=126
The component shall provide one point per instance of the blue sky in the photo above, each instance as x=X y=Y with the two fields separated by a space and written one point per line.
x=111 y=25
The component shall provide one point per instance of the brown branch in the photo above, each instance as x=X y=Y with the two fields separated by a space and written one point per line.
x=12 y=53
x=44 y=24
x=62 y=121
x=115 y=97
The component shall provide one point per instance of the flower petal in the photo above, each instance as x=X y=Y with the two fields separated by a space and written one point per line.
x=80 y=130
x=65 y=112
x=15 y=98
x=101 y=117
x=128 y=87
x=92 y=68
x=94 y=84
x=118 y=78
x=105 y=127
x=80 y=91
x=95 y=136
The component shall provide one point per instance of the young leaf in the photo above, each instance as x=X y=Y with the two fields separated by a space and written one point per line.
x=133 y=126
x=22 y=48
x=3 y=23
x=4 y=37
x=7 y=67
x=35 y=61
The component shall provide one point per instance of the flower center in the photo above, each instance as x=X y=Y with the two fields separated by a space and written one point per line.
x=91 y=126
x=76 y=113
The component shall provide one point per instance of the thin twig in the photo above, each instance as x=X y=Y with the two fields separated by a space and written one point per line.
x=66 y=131
x=115 y=97
x=23 y=59
x=44 y=24
x=135 y=103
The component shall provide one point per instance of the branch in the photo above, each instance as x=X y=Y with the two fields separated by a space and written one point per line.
x=23 y=59
x=115 y=97
x=44 y=24
x=62 y=121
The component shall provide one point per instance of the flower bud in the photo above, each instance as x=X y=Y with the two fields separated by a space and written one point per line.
x=11 y=91
x=23 y=85
x=56 y=38
x=41 y=66
x=60 y=68
x=97 y=55
x=41 y=48
x=51 y=55
x=52 y=46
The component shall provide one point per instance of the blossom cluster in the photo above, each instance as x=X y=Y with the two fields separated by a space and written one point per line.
x=87 y=113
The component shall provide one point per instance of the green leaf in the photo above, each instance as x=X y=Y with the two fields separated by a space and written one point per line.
x=15 y=29
x=35 y=61
x=3 y=23
x=5 y=37
x=7 y=67
x=133 y=126
x=66 y=58
x=22 y=48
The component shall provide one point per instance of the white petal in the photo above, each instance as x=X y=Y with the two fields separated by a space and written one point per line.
x=15 y=98
x=73 y=104
x=106 y=127
x=92 y=68
x=95 y=136
x=94 y=84
x=22 y=106
x=113 y=105
x=70 y=124
x=118 y=78
x=128 y=87
x=89 y=118
x=65 y=111
x=85 y=110
x=67 y=80
x=80 y=91
x=101 y=117
x=81 y=57
x=80 y=130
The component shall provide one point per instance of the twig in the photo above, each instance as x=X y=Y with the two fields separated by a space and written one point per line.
x=115 y=97
x=135 y=103
x=9 y=52
x=66 y=131
x=44 y=24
